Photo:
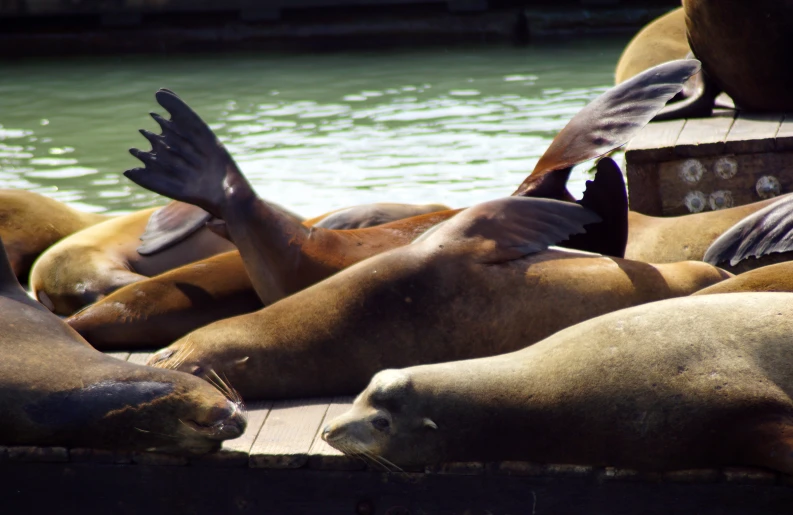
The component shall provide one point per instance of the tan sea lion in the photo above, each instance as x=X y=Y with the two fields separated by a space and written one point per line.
x=57 y=390
x=96 y=261
x=479 y=284
x=744 y=48
x=770 y=278
x=663 y=39
x=686 y=383
x=30 y=223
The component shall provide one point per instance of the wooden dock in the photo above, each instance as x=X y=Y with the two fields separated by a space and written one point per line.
x=732 y=158
x=280 y=465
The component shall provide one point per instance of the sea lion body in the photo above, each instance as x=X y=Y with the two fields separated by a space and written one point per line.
x=769 y=278
x=370 y=215
x=57 y=390
x=657 y=239
x=744 y=48
x=92 y=263
x=680 y=384
x=30 y=223
x=663 y=39
x=464 y=290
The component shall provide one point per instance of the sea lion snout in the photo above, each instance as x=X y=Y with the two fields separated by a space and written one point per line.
x=222 y=421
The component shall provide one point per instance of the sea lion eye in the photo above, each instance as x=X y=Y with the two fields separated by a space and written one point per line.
x=380 y=423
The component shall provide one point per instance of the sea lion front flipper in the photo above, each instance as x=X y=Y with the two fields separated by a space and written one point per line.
x=9 y=285
x=699 y=98
x=608 y=198
x=764 y=232
x=171 y=224
x=187 y=161
x=606 y=123
x=509 y=228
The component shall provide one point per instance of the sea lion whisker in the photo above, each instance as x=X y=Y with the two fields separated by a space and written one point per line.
x=237 y=397
x=156 y=433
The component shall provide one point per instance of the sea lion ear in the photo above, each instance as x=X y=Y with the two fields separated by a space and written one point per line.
x=608 y=198
x=171 y=224
x=764 y=232
x=509 y=228
x=609 y=121
x=9 y=285
x=427 y=422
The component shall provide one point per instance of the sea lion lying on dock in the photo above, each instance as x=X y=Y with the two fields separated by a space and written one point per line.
x=686 y=383
x=57 y=390
x=31 y=223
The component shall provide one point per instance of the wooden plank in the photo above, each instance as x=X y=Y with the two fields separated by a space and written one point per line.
x=655 y=142
x=323 y=456
x=752 y=133
x=139 y=358
x=235 y=452
x=123 y=356
x=705 y=136
x=784 y=136
x=288 y=432
x=38 y=454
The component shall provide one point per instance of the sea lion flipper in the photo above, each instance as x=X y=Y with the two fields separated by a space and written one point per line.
x=187 y=162
x=171 y=224
x=9 y=285
x=764 y=232
x=510 y=228
x=610 y=121
x=699 y=99
x=608 y=197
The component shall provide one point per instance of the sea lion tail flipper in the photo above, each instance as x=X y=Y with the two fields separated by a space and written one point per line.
x=509 y=228
x=171 y=224
x=699 y=98
x=608 y=197
x=187 y=162
x=608 y=122
x=9 y=284
x=764 y=232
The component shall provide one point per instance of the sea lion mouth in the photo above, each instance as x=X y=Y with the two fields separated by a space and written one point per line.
x=232 y=426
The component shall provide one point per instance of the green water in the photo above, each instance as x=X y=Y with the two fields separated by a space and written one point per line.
x=312 y=132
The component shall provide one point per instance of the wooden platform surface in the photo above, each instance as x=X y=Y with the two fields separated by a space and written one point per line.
x=729 y=159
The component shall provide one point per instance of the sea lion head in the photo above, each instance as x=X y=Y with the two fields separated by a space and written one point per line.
x=386 y=422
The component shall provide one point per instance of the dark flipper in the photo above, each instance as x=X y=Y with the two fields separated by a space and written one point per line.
x=698 y=100
x=187 y=162
x=171 y=224
x=606 y=123
x=764 y=232
x=608 y=197
x=509 y=228
x=9 y=285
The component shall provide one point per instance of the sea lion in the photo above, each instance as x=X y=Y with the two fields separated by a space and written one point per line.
x=96 y=261
x=292 y=263
x=481 y=283
x=670 y=239
x=686 y=383
x=769 y=278
x=663 y=39
x=30 y=223
x=57 y=390
x=744 y=48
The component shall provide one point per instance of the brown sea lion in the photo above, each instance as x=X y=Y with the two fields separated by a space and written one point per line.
x=479 y=284
x=770 y=278
x=681 y=384
x=57 y=390
x=744 y=48
x=315 y=253
x=188 y=163
x=677 y=238
x=30 y=223
x=96 y=261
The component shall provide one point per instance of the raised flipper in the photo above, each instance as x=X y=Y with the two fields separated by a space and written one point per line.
x=606 y=196
x=9 y=285
x=510 y=228
x=764 y=232
x=606 y=123
x=171 y=224
x=697 y=100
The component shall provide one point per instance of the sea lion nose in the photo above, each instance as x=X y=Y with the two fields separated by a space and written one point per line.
x=159 y=357
x=229 y=420
x=326 y=432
